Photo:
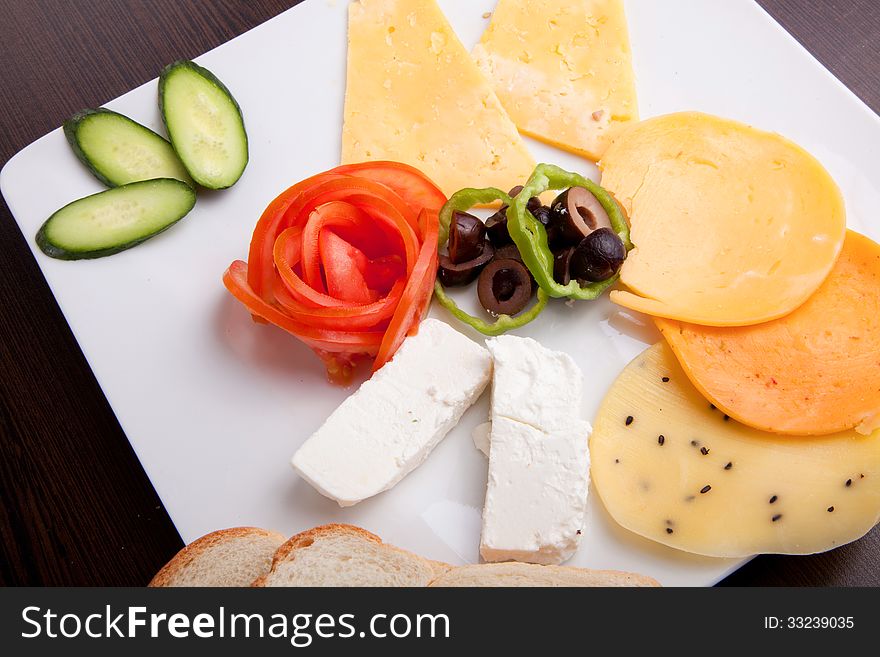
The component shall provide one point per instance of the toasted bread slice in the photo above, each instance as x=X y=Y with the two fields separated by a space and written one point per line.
x=228 y=557
x=526 y=574
x=343 y=555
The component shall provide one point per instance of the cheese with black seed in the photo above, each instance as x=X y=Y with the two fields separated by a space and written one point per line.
x=684 y=474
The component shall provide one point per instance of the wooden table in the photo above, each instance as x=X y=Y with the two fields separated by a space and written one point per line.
x=75 y=506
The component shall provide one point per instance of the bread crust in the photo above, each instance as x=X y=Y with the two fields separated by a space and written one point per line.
x=561 y=576
x=304 y=539
x=444 y=574
x=198 y=547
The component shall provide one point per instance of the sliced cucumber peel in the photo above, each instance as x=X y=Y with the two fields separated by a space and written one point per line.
x=204 y=123
x=118 y=150
x=116 y=219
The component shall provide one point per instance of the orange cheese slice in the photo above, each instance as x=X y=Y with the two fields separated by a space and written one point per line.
x=562 y=69
x=731 y=225
x=814 y=371
x=414 y=95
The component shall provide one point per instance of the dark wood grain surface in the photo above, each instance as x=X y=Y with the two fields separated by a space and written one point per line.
x=75 y=506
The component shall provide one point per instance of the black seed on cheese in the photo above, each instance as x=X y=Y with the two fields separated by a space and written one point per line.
x=704 y=451
x=711 y=407
x=669 y=530
x=776 y=517
x=661 y=439
x=705 y=489
x=617 y=460
x=726 y=418
x=629 y=420
x=665 y=379
x=848 y=483
x=773 y=499
x=694 y=443
x=830 y=509
x=861 y=476
x=729 y=465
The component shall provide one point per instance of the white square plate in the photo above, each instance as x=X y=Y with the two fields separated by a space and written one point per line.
x=215 y=405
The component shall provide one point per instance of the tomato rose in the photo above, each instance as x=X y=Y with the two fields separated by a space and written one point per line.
x=345 y=261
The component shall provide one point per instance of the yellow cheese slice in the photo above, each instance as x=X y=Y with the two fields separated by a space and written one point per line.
x=562 y=69
x=670 y=467
x=414 y=95
x=732 y=225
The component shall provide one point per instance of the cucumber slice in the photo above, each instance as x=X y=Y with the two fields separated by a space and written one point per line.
x=119 y=151
x=204 y=123
x=116 y=219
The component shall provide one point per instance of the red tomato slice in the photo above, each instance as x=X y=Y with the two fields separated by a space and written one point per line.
x=416 y=296
x=409 y=183
x=336 y=214
x=296 y=286
x=366 y=342
x=377 y=201
x=372 y=316
x=344 y=265
x=345 y=261
x=269 y=226
x=383 y=272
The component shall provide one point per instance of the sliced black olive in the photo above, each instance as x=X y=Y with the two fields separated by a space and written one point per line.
x=562 y=264
x=578 y=213
x=534 y=202
x=598 y=257
x=511 y=252
x=545 y=216
x=496 y=225
x=504 y=287
x=467 y=235
x=555 y=238
x=508 y=252
x=542 y=214
x=496 y=228
x=453 y=274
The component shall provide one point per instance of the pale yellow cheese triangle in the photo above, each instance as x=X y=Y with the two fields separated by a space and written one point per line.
x=562 y=69
x=414 y=95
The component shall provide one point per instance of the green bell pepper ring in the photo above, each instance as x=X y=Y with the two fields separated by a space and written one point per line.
x=462 y=201
x=530 y=236
x=502 y=324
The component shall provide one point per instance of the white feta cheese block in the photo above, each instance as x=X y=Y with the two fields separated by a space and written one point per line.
x=539 y=463
x=388 y=427
x=536 y=498
x=480 y=436
x=534 y=385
